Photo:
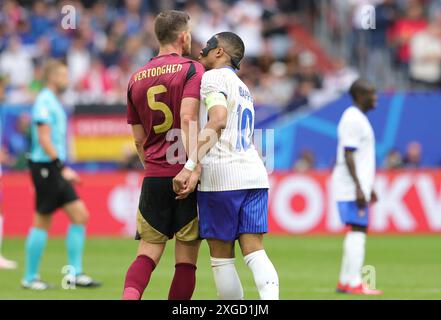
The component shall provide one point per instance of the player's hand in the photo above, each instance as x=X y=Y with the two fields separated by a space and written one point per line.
x=180 y=182
x=70 y=175
x=374 y=197
x=360 y=198
x=192 y=183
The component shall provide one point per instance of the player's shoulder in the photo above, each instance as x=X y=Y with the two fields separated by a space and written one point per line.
x=43 y=105
x=186 y=61
x=199 y=67
x=44 y=94
x=189 y=65
x=351 y=114
x=194 y=67
x=212 y=72
x=182 y=59
x=43 y=99
x=135 y=74
x=214 y=75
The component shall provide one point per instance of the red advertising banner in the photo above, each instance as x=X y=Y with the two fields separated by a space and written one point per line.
x=112 y=200
x=409 y=201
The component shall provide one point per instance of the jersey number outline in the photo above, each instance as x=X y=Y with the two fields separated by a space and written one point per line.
x=160 y=106
x=244 y=121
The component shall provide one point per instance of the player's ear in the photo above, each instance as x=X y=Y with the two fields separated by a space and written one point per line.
x=219 y=52
x=187 y=35
x=181 y=37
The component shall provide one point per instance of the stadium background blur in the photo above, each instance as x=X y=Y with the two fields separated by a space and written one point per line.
x=301 y=57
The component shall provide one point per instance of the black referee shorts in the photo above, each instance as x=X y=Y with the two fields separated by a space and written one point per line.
x=51 y=189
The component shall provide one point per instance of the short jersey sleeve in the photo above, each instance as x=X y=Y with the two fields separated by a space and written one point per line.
x=41 y=112
x=213 y=84
x=350 y=133
x=193 y=79
x=132 y=113
x=213 y=81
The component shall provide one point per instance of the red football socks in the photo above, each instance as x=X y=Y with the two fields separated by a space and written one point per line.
x=138 y=277
x=184 y=282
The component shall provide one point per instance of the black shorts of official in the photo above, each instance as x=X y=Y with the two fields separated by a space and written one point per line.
x=51 y=189
x=160 y=216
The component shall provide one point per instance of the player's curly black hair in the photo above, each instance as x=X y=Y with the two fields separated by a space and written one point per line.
x=360 y=87
x=234 y=45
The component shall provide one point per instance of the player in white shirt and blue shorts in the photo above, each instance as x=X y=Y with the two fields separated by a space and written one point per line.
x=353 y=183
x=233 y=191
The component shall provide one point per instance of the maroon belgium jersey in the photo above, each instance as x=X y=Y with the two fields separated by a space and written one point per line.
x=154 y=97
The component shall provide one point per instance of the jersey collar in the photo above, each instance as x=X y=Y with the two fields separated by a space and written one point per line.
x=174 y=54
x=231 y=68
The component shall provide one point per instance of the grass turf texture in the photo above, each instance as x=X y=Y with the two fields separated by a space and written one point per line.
x=407 y=267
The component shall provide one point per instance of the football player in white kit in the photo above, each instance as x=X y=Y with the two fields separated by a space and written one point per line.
x=353 y=182
x=233 y=191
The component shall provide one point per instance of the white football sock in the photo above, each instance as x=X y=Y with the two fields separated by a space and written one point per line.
x=226 y=279
x=265 y=275
x=355 y=251
x=344 y=271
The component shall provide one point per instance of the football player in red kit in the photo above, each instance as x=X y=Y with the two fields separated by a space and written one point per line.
x=164 y=95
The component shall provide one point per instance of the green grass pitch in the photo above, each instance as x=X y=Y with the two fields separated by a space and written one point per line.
x=407 y=267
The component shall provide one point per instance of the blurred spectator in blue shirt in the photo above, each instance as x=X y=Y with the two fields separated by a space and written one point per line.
x=39 y=19
x=18 y=142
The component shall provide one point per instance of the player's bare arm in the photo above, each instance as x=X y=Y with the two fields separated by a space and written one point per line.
x=44 y=139
x=350 y=163
x=139 y=138
x=189 y=116
x=216 y=123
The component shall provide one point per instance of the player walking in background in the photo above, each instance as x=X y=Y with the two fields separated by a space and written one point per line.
x=353 y=180
x=53 y=180
x=233 y=195
x=164 y=95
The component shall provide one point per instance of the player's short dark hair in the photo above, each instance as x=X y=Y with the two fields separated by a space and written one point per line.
x=360 y=87
x=168 y=25
x=233 y=44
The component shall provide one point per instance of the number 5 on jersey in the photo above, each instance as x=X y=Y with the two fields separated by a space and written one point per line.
x=160 y=106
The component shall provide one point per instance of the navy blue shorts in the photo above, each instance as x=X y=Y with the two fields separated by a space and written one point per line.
x=224 y=215
x=351 y=214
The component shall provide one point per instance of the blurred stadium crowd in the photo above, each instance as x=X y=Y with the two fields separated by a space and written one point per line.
x=113 y=38
x=299 y=54
x=410 y=159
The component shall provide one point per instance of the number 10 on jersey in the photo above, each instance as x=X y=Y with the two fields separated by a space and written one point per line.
x=245 y=128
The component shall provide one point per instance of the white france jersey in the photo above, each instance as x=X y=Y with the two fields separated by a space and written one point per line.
x=354 y=131
x=233 y=163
